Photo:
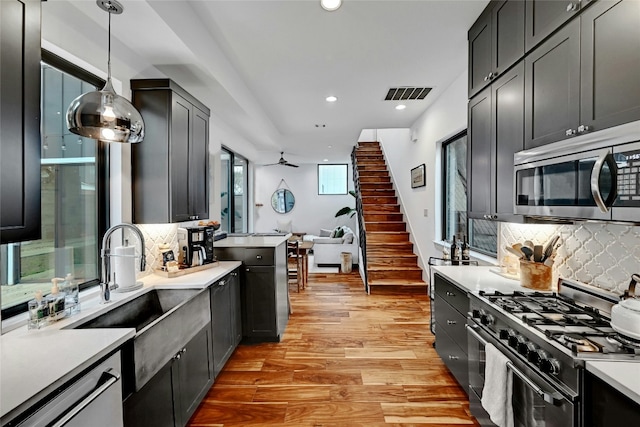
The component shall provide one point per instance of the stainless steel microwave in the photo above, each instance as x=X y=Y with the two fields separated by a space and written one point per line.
x=597 y=184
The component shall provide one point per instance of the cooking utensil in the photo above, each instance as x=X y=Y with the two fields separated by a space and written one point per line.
x=527 y=251
x=537 y=253
x=625 y=316
x=548 y=249
x=528 y=243
x=512 y=251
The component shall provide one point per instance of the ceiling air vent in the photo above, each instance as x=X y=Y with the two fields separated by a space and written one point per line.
x=403 y=93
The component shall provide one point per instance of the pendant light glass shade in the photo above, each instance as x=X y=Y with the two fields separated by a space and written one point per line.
x=104 y=114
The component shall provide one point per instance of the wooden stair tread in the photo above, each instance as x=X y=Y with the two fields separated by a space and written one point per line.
x=393 y=268
x=396 y=282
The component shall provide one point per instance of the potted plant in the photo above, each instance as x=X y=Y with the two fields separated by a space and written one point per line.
x=347 y=210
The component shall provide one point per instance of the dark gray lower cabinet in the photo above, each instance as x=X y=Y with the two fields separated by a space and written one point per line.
x=451 y=305
x=171 y=397
x=265 y=306
x=226 y=319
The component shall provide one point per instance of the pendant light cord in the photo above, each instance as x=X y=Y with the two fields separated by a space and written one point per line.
x=109 y=51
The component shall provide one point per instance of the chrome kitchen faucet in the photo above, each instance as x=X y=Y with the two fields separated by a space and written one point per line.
x=105 y=254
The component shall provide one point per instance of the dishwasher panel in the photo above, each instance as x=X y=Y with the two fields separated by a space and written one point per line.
x=92 y=399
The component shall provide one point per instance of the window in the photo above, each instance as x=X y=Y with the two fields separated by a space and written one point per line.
x=332 y=179
x=74 y=197
x=482 y=234
x=234 y=181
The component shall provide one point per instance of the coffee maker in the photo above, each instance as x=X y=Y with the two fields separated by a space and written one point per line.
x=196 y=245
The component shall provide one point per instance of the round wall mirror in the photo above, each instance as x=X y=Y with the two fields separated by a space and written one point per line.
x=282 y=200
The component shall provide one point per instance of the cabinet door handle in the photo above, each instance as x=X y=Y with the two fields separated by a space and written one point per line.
x=177 y=357
x=572 y=6
x=450 y=294
x=222 y=283
x=489 y=77
x=248 y=269
x=451 y=322
x=184 y=350
x=583 y=129
x=570 y=132
x=452 y=357
x=258 y=256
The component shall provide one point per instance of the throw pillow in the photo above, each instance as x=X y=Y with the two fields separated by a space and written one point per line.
x=339 y=233
x=347 y=238
x=325 y=232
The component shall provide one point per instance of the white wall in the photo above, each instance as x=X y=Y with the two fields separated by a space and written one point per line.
x=311 y=211
x=446 y=117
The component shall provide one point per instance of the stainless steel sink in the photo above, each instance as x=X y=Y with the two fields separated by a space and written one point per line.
x=164 y=319
x=141 y=311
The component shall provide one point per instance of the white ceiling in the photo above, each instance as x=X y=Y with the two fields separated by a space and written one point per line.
x=265 y=67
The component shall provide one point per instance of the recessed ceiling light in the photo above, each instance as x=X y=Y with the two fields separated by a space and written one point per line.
x=330 y=146
x=330 y=5
x=401 y=107
x=325 y=160
x=318 y=125
x=331 y=98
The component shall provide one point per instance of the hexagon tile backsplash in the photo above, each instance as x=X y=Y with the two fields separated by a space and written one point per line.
x=598 y=254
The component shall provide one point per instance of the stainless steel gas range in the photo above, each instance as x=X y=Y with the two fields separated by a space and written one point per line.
x=546 y=337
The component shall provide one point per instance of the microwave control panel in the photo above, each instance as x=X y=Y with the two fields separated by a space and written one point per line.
x=628 y=163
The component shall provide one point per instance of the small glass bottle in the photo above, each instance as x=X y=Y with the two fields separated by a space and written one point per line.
x=56 y=300
x=455 y=252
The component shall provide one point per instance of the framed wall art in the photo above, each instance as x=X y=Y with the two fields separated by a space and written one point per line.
x=417 y=177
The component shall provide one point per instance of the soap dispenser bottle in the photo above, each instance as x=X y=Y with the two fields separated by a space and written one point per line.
x=38 y=311
x=70 y=289
x=56 y=300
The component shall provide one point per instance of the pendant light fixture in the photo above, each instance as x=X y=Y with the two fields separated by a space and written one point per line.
x=104 y=114
x=330 y=5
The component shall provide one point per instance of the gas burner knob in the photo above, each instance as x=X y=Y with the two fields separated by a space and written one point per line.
x=516 y=340
x=550 y=366
x=504 y=333
x=487 y=319
x=475 y=313
x=523 y=347
x=536 y=355
x=530 y=350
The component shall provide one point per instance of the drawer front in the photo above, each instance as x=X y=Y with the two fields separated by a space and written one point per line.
x=259 y=256
x=450 y=293
x=229 y=254
x=453 y=356
x=452 y=322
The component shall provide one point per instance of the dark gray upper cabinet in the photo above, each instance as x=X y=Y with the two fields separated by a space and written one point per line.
x=546 y=16
x=496 y=123
x=479 y=155
x=610 y=64
x=585 y=77
x=552 y=88
x=20 y=120
x=171 y=165
x=496 y=41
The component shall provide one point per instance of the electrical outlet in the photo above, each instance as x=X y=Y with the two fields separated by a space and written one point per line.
x=426 y=212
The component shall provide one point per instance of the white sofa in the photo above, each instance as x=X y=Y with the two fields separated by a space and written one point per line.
x=327 y=249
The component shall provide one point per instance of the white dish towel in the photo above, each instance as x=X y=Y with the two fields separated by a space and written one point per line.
x=498 y=387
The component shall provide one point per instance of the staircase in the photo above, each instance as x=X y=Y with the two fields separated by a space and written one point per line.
x=390 y=260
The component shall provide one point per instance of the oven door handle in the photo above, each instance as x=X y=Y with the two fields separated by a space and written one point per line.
x=553 y=398
x=471 y=330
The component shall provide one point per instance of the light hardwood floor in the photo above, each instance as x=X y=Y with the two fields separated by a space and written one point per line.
x=346 y=359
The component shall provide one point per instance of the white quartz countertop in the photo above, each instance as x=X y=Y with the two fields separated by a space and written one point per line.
x=35 y=362
x=475 y=279
x=624 y=376
x=255 y=241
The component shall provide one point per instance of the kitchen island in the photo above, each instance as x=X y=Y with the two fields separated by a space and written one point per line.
x=265 y=292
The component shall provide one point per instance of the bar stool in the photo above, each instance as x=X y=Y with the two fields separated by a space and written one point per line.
x=294 y=263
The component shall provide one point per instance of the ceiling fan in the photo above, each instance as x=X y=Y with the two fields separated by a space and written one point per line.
x=282 y=162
